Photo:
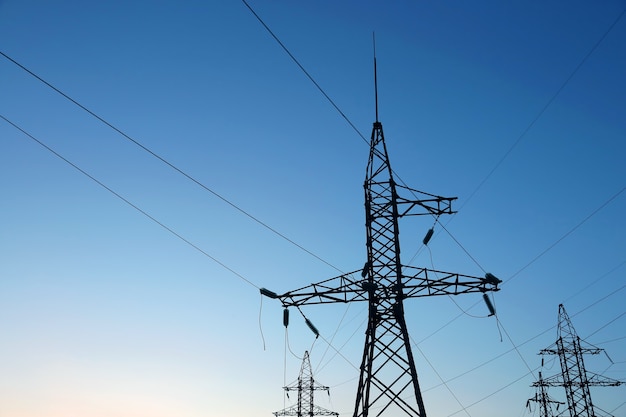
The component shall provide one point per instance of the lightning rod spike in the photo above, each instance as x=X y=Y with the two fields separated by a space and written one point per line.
x=375 y=76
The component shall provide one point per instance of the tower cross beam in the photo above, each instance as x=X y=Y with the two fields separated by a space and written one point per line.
x=421 y=282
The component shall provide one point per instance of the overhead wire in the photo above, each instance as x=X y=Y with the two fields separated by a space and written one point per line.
x=569 y=232
x=165 y=161
x=128 y=202
x=545 y=107
x=293 y=58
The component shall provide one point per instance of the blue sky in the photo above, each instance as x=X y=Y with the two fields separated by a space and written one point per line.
x=515 y=108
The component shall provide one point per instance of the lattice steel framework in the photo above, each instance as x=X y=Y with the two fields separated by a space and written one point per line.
x=543 y=399
x=306 y=386
x=574 y=377
x=388 y=382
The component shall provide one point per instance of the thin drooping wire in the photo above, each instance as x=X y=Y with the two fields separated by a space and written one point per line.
x=545 y=107
x=445 y=384
x=172 y=231
x=527 y=129
x=607 y=324
x=166 y=162
x=432 y=265
x=595 y=281
x=494 y=393
x=293 y=58
x=606 y=203
x=260 y=324
x=541 y=254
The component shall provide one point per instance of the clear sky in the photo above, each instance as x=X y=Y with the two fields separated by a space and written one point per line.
x=515 y=107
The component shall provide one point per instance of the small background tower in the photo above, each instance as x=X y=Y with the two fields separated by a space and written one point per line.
x=543 y=400
x=306 y=386
x=574 y=377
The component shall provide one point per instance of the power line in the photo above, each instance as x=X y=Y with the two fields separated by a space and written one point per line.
x=545 y=107
x=165 y=161
x=110 y=190
x=569 y=232
x=282 y=45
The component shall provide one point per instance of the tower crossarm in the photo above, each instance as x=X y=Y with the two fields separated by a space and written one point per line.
x=416 y=282
x=294 y=411
x=571 y=347
x=423 y=282
x=591 y=379
x=423 y=203
x=602 y=381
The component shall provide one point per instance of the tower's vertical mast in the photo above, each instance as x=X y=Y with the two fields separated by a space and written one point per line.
x=387 y=354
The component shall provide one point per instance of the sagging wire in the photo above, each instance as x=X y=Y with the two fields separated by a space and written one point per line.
x=260 y=325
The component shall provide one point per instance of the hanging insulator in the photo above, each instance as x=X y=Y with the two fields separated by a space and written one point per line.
x=429 y=234
x=492 y=279
x=492 y=311
x=268 y=293
x=366 y=268
x=313 y=329
x=286 y=317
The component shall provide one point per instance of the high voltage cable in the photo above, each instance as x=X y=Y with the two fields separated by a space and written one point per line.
x=165 y=161
x=545 y=107
x=282 y=45
x=541 y=254
x=606 y=203
x=169 y=229
x=520 y=137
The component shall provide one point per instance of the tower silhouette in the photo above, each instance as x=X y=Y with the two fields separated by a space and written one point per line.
x=306 y=386
x=543 y=399
x=574 y=377
x=388 y=382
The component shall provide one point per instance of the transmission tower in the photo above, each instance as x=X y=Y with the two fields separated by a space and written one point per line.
x=388 y=382
x=305 y=385
x=543 y=399
x=574 y=377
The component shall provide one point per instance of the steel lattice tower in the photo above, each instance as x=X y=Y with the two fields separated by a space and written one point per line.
x=574 y=377
x=305 y=385
x=543 y=399
x=388 y=382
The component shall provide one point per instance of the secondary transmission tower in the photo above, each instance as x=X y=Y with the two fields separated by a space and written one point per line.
x=388 y=382
x=306 y=386
x=543 y=399
x=574 y=377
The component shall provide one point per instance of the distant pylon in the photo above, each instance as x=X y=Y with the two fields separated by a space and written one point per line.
x=305 y=385
x=574 y=377
x=543 y=399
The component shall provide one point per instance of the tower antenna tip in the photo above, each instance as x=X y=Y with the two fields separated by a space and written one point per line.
x=375 y=76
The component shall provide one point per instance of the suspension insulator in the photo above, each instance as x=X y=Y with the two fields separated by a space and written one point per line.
x=492 y=311
x=365 y=270
x=268 y=293
x=312 y=327
x=286 y=317
x=492 y=279
x=429 y=234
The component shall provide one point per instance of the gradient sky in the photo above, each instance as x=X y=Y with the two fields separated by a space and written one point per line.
x=515 y=107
